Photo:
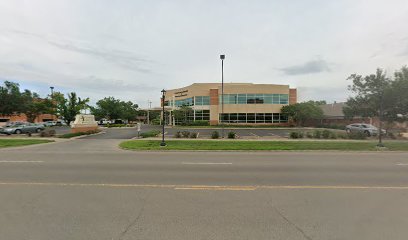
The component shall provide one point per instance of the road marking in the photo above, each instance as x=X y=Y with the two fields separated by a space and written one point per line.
x=402 y=164
x=218 y=188
x=206 y=163
x=253 y=134
x=27 y=161
x=200 y=187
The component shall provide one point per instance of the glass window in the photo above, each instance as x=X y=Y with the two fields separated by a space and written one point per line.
x=242 y=99
x=275 y=99
x=283 y=98
x=260 y=117
x=268 y=117
x=250 y=117
x=242 y=117
x=250 y=98
x=233 y=117
x=276 y=118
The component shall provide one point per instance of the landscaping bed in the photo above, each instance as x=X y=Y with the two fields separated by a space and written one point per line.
x=261 y=145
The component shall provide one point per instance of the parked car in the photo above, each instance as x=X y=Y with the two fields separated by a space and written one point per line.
x=60 y=123
x=9 y=124
x=368 y=129
x=104 y=121
x=25 y=128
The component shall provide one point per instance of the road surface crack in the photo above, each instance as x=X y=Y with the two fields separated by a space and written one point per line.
x=292 y=223
x=135 y=220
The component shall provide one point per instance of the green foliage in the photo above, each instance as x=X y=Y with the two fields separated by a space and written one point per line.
x=357 y=135
x=377 y=89
x=301 y=112
x=182 y=114
x=71 y=135
x=152 y=133
x=232 y=135
x=155 y=121
x=116 y=125
x=317 y=134
x=178 y=134
x=27 y=102
x=68 y=108
x=193 y=135
x=112 y=108
x=215 y=135
x=185 y=134
x=295 y=135
x=309 y=135
x=326 y=134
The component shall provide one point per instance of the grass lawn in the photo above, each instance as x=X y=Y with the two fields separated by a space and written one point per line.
x=20 y=142
x=260 y=145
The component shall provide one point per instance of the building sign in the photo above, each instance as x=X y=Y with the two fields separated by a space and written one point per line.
x=181 y=93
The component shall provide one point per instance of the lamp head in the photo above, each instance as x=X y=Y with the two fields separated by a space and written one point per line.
x=222 y=57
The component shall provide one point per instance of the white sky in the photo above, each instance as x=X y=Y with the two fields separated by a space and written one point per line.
x=133 y=49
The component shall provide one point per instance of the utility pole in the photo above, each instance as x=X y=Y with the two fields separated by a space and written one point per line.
x=149 y=106
x=222 y=57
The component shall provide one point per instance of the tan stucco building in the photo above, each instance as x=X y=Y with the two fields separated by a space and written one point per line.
x=244 y=103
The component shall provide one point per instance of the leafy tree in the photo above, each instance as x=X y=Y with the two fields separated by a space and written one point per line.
x=301 y=112
x=377 y=95
x=112 y=108
x=33 y=105
x=68 y=108
x=181 y=114
x=11 y=100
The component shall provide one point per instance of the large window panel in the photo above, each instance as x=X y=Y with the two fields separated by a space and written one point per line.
x=250 y=117
x=284 y=98
x=260 y=117
x=242 y=118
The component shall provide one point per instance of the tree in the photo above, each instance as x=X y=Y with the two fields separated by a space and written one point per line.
x=182 y=114
x=68 y=108
x=12 y=101
x=112 y=108
x=33 y=105
x=373 y=98
x=10 y=98
x=301 y=112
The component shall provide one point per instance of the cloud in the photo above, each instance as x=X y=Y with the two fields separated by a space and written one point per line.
x=124 y=59
x=109 y=85
x=314 y=66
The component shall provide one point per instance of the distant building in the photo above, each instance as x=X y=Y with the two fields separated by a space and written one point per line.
x=23 y=118
x=333 y=114
x=244 y=103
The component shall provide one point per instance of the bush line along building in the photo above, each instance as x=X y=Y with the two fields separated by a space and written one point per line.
x=244 y=103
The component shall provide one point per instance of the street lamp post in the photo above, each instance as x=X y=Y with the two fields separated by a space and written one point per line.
x=222 y=57
x=163 y=143
x=52 y=91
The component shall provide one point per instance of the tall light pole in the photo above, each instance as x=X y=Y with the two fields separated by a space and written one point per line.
x=52 y=92
x=163 y=143
x=222 y=57
x=149 y=103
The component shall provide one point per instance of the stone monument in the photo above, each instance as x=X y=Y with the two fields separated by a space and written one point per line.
x=84 y=123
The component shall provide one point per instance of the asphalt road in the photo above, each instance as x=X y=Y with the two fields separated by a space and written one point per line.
x=90 y=189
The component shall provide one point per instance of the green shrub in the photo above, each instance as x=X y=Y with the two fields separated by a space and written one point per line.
x=118 y=125
x=317 y=134
x=71 y=135
x=215 y=135
x=333 y=135
x=193 y=135
x=178 y=134
x=342 y=135
x=357 y=135
x=309 y=135
x=152 y=133
x=185 y=134
x=232 y=135
x=156 y=121
x=325 y=134
x=295 y=135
